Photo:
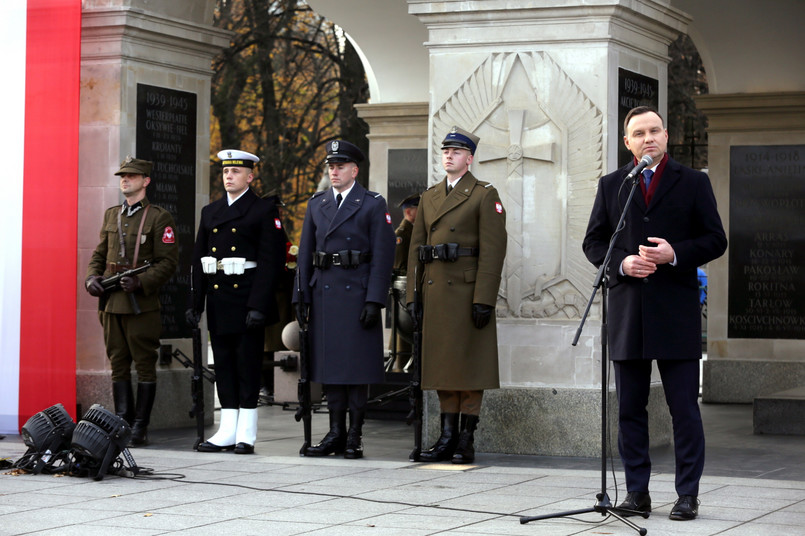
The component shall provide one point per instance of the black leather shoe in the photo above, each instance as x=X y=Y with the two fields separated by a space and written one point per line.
x=244 y=448
x=212 y=447
x=685 y=508
x=636 y=503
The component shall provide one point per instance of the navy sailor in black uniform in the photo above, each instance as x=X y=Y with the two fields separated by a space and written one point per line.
x=238 y=256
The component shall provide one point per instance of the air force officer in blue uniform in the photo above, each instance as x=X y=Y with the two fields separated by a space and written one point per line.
x=672 y=227
x=345 y=257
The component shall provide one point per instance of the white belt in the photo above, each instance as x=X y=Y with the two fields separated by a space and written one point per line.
x=228 y=265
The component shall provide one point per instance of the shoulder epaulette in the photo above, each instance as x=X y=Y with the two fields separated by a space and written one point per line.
x=373 y=194
x=314 y=196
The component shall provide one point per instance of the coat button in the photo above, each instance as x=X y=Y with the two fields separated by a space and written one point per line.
x=430 y=281
x=452 y=228
x=645 y=280
x=215 y=230
x=449 y=281
x=432 y=229
x=234 y=230
x=214 y=249
x=215 y=287
x=646 y=219
x=348 y=287
x=234 y=248
x=326 y=287
x=349 y=238
x=235 y=285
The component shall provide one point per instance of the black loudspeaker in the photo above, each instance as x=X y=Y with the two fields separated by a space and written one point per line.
x=47 y=436
x=98 y=440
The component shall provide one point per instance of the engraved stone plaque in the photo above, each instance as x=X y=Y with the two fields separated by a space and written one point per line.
x=166 y=135
x=767 y=242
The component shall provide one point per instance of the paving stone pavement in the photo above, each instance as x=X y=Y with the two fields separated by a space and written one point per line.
x=753 y=486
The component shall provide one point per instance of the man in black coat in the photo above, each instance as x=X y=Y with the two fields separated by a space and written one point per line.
x=671 y=228
x=344 y=269
x=238 y=256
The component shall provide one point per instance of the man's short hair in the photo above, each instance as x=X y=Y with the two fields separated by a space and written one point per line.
x=640 y=110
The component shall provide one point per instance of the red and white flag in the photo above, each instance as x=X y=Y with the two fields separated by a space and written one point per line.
x=40 y=43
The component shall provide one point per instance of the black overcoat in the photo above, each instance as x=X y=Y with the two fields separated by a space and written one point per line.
x=248 y=228
x=343 y=352
x=656 y=317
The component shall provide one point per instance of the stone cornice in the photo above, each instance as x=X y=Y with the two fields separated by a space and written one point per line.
x=145 y=37
x=780 y=111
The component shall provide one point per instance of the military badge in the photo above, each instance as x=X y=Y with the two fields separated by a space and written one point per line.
x=277 y=223
x=388 y=218
x=168 y=237
x=334 y=147
x=498 y=207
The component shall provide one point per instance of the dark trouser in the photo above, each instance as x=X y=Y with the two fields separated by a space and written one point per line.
x=132 y=338
x=680 y=380
x=344 y=397
x=238 y=362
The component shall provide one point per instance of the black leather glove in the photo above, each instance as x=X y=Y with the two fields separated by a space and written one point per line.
x=370 y=315
x=414 y=310
x=255 y=319
x=93 y=285
x=481 y=314
x=192 y=318
x=302 y=312
x=130 y=283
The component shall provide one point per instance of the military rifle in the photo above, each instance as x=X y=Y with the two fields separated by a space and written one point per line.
x=200 y=373
x=304 y=412
x=112 y=283
x=415 y=387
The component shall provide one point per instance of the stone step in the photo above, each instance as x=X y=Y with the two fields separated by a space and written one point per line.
x=780 y=413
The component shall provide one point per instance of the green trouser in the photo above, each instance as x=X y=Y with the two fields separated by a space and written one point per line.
x=134 y=338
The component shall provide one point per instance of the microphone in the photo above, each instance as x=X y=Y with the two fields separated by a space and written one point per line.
x=638 y=169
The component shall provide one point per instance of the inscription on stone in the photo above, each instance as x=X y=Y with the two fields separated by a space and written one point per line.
x=767 y=242
x=166 y=134
x=408 y=170
x=633 y=90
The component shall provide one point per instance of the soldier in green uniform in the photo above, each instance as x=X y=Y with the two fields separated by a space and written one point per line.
x=458 y=246
x=133 y=234
x=403 y=232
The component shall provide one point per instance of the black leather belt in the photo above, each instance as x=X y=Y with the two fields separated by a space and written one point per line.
x=348 y=258
x=449 y=252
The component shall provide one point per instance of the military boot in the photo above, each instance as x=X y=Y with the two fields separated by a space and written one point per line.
x=123 y=395
x=465 y=450
x=146 y=393
x=354 y=446
x=443 y=449
x=335 y=440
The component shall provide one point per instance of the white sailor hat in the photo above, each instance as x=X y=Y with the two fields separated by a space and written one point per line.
x=233 y=157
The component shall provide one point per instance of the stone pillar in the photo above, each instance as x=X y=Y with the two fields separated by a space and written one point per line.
x=125 y=43
x=538 y=82
x=738 y=369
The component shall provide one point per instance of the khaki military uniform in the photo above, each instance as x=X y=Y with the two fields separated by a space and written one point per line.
x=131 y=337
x=403 y=233
x=457 y=356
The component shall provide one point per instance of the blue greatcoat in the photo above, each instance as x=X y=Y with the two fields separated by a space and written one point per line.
x=343 y=352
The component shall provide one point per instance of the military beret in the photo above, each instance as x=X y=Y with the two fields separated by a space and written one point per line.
x=233 y=157
x=343 y=151
x=135 y=166
x=410 y=201
x=461 y=139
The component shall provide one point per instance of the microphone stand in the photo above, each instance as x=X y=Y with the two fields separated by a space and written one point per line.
x=603 y=505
